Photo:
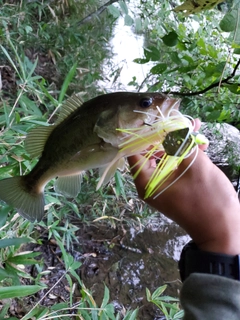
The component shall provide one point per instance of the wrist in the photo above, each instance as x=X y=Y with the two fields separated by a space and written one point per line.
x=229 y=246
x=194 y=260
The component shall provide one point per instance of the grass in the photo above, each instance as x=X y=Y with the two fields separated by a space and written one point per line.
x=44 y=57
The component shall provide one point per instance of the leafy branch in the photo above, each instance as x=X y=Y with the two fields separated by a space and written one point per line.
x=97 y=12
x=213 y=85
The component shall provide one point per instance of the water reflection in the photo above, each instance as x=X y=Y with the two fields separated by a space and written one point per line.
x=129 y=261
x=126 y=46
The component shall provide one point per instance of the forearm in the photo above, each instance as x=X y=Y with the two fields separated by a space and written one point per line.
x=202 y=201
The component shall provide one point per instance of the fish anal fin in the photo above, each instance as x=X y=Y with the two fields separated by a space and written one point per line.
x=69 y=186
x=29 y=205
x=36 y=139
x=68 y=107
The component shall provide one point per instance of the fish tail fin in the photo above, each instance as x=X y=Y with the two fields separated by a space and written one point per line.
x=30 y=205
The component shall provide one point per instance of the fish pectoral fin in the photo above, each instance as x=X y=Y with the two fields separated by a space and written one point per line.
x=108 y=171
x=29 y=205
x=121 y=164
x=70 y=186
x=36 y=139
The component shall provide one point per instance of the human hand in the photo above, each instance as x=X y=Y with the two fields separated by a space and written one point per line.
x=203 y=202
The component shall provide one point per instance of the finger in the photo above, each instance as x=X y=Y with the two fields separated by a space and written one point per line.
x=197 y=124
x=138 y=162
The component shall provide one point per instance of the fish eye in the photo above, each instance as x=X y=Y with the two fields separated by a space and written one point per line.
x=146 y=102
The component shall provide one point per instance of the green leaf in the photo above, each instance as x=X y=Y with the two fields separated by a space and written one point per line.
x=109 y=310
x=170 y=39
x=234 y=88
x=85 y=315
x=11 y=61
x=26 y=259
x=179 y=315
x=5 y=274
x=214 y=115
x=188 y=58
x=188 y=68
x=120 y=190
x=66 y=82
x=76 y=265
x=158 y=291
x=94 y=315
x=128 y=20
x=236 y=51
x=105 y=297
x=123 y=6
x=131 y=315
x=175 y=58
x=4 y=212
x=18 y=291
x=167 y=299
x=159 y=68
x=59 y=306
x=13 y=242
x=4 y=311
x=229 y=21
x=29 y=105
x=28 y=29
x=113 y=11
x=140 y=61
x=148 y=294
x=138 y=25
x=152 y=53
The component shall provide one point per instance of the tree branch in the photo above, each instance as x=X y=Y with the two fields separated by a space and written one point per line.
x=96 y=13
x=213 y=85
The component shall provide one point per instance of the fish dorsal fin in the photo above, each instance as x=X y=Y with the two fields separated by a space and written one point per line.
x=69 y=186
x=36 y=139
x=69 y=106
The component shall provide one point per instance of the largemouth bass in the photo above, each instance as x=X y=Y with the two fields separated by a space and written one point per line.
x=85 y=136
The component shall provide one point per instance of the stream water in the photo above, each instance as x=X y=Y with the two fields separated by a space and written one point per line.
x=126 y=46
x=129 y=260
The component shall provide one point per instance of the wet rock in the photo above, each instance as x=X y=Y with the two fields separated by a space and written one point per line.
x=224 y=148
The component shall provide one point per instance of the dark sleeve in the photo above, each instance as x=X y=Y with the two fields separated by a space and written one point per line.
x=205 y=296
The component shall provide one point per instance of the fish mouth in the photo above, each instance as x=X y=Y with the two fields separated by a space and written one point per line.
x=156 y=125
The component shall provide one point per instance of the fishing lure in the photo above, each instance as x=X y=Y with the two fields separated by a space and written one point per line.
x=174 y=137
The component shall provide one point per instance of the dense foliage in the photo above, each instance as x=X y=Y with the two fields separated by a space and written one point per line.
x=194 y=57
